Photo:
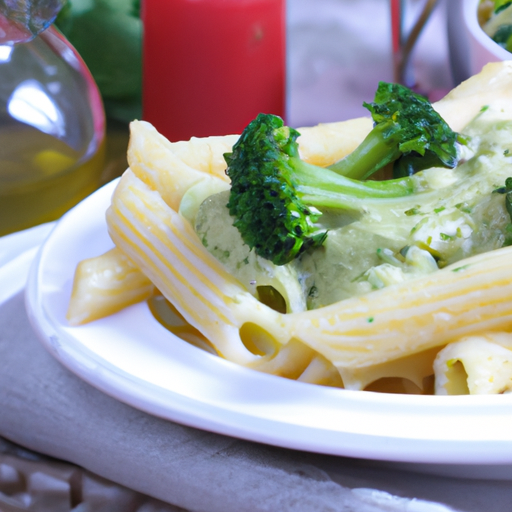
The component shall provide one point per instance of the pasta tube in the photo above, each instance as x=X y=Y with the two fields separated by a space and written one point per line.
x=168 y=169
x=167 y=250
x=472 y=296
x=475 y=365
x=105 y=285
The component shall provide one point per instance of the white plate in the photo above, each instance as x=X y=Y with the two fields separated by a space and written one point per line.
x=17 y=251
x=133 y=358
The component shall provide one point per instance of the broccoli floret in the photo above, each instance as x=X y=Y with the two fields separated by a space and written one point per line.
x=500 y=5
x=407 y=131
x=275 y=196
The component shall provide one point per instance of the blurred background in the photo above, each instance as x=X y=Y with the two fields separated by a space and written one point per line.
x=336 y=53
x=337 y=50
x=195 y=69
x=108 y=36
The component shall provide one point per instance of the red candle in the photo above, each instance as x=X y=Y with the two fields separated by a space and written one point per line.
x=211 y=66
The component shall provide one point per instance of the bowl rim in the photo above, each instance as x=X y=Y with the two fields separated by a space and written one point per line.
x=475 y=29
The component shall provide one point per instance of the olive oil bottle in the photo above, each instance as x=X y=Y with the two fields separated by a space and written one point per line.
x=52 y=131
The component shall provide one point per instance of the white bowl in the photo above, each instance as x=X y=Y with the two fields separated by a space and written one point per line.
x=470 y=47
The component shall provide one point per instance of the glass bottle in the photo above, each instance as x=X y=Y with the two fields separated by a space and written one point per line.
x=52 y=130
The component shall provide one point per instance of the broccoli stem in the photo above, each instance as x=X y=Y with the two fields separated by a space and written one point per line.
x=376 y=151
x=322 y=187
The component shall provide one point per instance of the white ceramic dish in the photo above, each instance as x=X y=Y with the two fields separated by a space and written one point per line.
x=470 y=47
x=134 y=359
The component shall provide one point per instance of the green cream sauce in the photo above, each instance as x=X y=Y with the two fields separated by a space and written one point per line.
x=457 y=215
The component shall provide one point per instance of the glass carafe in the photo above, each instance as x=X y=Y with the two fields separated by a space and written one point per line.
x=52 y=130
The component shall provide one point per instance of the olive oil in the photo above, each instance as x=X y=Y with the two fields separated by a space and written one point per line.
x=41 y=177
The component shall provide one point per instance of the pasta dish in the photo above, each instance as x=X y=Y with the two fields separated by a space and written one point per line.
x=410 y=293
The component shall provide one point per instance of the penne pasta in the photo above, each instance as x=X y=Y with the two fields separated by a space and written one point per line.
x=169 y=170
x=446 y=320
x=167 y=250
x=105 y=285
x=470 y=297
x=478 y=364
x=354 y=334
